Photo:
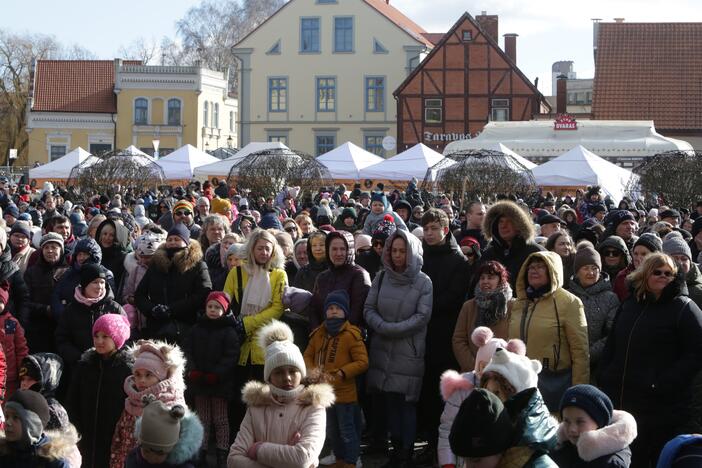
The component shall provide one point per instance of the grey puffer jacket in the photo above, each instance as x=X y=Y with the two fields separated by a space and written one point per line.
x=398 y=312
x=601 y=305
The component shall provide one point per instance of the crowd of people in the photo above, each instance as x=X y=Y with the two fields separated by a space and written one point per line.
x=201 y=325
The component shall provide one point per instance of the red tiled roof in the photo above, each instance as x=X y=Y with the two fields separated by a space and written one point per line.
x=649 y=71
x=402 y=21
x=434 y=38
x=75 y=86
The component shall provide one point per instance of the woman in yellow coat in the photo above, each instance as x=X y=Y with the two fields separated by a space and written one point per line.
x=551 y=322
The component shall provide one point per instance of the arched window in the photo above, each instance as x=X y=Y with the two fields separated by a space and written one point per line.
x=215 y=118
x=205 y=114
x=174 y=112
x=141 y=111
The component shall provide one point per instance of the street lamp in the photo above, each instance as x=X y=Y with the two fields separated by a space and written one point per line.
x=207 y=146
x=155 y=143
x=230 y=142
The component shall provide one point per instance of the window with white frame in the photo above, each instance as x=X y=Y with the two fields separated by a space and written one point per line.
x=433 y=111
x=231 y=121
x=499 y=110
x=56 y=151
x=215 y=118
x=141 y=111
x=205 y=114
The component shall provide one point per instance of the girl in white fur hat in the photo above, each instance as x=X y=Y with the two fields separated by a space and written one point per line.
x=285 y=423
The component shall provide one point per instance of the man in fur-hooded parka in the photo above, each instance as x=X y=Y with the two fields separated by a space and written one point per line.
x=509 y=251
x=180 y=282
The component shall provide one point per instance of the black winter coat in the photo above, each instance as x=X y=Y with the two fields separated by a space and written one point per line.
x=450 y=276
x=41 y=279
x=95 y=402
x=182 y=283
x=213 y=348
x=307 y=275
x=653 y=354
x=511 y=257
x=74 y=332
x=19 y=293
x=370 y=261
x=567 y=456
x=218 y=272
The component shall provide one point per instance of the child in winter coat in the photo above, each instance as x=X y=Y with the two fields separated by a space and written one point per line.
x=95 y=397
x=455 y=387
x=337 y=348
x=285 y=421
x=41 y=373
x=167 y=437
x=157 y=372
x=212 y=350
x=13 y=342
x=592 y=433
x=379 y=208
x=26 y=443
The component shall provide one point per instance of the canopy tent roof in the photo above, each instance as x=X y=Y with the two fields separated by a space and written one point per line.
x=346 y=161
x=181 y=163
x=61 y=168
x=134 y=151
x=607 y=138
x=222 y=168
x=503 y=149
x=579 y=168
x=412 y=162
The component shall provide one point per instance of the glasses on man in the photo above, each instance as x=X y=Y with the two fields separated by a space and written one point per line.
x=184 y=213
x=612 y=253
x=666 y=273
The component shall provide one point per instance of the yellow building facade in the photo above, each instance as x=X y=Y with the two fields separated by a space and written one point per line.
x=319 y=73
x=137 y=106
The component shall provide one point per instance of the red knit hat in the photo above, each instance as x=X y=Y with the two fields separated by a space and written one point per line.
x=221 y=298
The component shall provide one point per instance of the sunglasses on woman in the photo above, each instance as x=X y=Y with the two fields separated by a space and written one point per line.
x=291 y=229
x=612 y=253
x=666 y=273
x=183 y=213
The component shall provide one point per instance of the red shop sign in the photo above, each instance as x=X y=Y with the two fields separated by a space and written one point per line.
x=565 y=122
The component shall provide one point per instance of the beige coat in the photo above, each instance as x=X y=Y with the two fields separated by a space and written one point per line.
x=539 y=329
x=276 y=424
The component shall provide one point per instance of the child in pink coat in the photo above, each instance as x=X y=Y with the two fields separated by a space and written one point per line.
x=13 y=343
x=285 y=423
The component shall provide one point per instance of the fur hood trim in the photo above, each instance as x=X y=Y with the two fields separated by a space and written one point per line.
x=130 y=263
x=54 y=444
x=451 y=381
x=259 y=394
x=188 y=445
x=512 y=211
x=183 y=261
x=604 y=441
x=121 y=356
x=173 y=357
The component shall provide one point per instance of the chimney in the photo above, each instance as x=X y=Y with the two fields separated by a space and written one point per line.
x=511 y=46
x=618 y=20
x=595 y=33
x=561 y=94
x=489 y=24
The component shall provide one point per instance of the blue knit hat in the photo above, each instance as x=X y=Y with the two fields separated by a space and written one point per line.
x=180 y=230
x=591 y=400
x=340 y=298
x=379 y=197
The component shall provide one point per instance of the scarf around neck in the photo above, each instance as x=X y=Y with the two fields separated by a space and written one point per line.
x=284 y=397
x=492 y=305
x=257 y=293
x=167 y=391
x=87 y=301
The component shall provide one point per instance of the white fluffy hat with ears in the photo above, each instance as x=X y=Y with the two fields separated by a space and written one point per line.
x=276 y=339
x=520 y=371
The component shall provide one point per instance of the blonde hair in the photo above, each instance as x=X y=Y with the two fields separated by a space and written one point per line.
x=303 y=217
x=297 y=227
x=277 y=259
x=639 y=277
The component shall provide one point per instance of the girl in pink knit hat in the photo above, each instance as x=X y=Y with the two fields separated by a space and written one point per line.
x=158 y=372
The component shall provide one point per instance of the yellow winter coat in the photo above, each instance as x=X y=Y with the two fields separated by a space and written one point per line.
x=535 y=323
x=252 y=323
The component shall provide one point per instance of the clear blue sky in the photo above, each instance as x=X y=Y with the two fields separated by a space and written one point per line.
x=549 y=30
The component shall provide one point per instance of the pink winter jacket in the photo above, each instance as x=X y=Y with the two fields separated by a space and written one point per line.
x=455 y=388
x=15 y=346
x=276 y=424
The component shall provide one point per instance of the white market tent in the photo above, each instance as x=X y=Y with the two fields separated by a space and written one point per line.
x=503 y=149
x=134 y=151
x=181 y=163
x=413 y=162
x=606 y=138
x=61 y=168
x=222 y=168
x=346 y=161
x=580 y=168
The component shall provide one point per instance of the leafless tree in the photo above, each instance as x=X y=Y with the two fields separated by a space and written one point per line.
x=143 y=49
x=675 y=177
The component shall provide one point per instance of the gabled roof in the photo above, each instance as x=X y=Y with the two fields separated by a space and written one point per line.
x=402 y=21
x=467 y=17
x=434 y=38
x=649 y=71
x=381 y=6
x=75 y=86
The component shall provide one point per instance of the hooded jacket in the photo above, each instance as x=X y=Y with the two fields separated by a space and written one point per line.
x=181 y=283
x=449 y=273
x=55 y=449
x=652 y=355
x=218 y=271
x=140 y=216
x=275 y=424
x=606 y=447
x=616 y=243
x=14 y=345
x=95 y=402
x=10 y=273
x=535 y=429
x=398 y=310
x=349 y=277
x=63 y=292
x=41 y=279
x=50 y=367
x=113 y=256
x=372 y=220
x=601 y=305
x=512 y=257
x=693 y=279
x=535 y=322
x=74 y=331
